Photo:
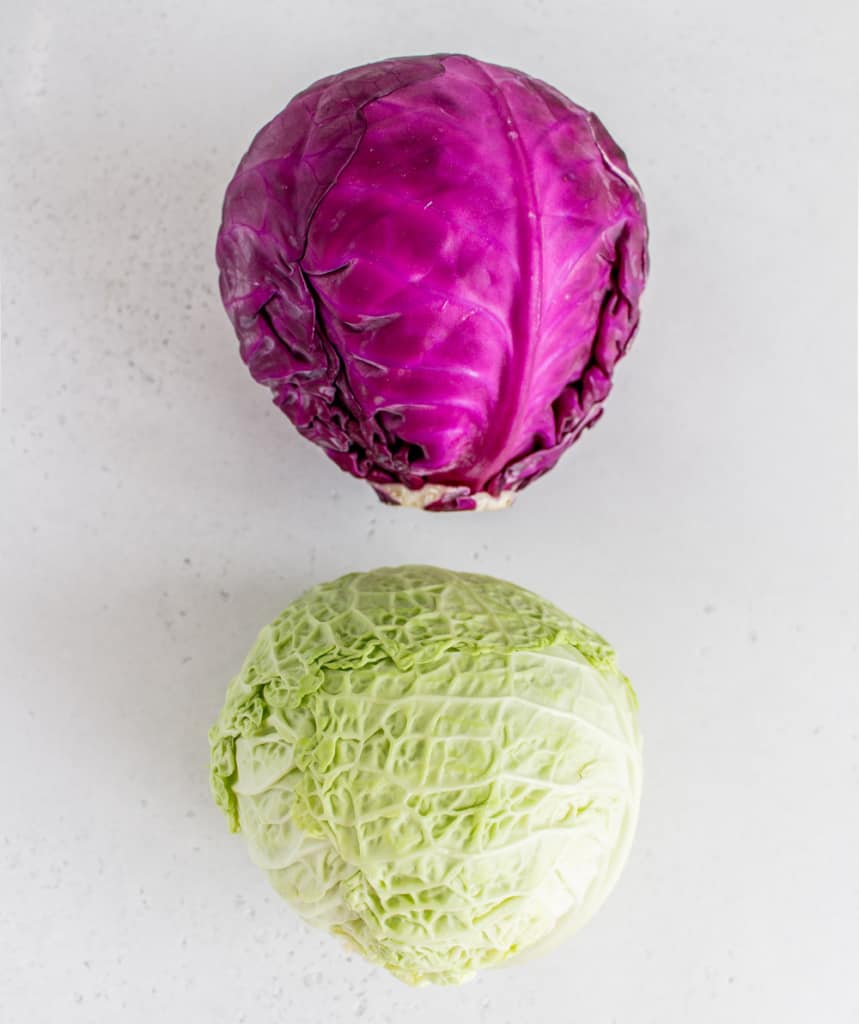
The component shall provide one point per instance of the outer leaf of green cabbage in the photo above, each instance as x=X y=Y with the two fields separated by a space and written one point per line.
x=442 y=768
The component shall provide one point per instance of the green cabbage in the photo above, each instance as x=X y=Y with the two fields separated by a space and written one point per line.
x=440 y=767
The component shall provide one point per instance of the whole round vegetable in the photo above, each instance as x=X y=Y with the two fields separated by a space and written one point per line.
x=440 y=767
x=435 y=263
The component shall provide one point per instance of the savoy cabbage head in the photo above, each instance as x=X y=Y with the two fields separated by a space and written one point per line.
x=442 y=768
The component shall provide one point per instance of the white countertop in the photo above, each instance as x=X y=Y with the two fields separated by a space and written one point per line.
x=157 y=510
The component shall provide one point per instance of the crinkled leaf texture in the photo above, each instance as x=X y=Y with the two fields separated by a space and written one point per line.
x=435 y=263
x=440 y=767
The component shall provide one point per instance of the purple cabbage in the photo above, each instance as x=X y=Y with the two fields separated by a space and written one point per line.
x=434 y=264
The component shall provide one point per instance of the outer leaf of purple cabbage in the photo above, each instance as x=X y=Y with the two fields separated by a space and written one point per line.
x=435 y=263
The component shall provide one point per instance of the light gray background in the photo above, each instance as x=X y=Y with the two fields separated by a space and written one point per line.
x=157 y=510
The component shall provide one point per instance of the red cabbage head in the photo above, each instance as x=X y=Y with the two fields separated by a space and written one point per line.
x=435 y=264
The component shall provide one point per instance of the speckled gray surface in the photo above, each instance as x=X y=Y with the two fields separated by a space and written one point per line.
x=156 y=510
